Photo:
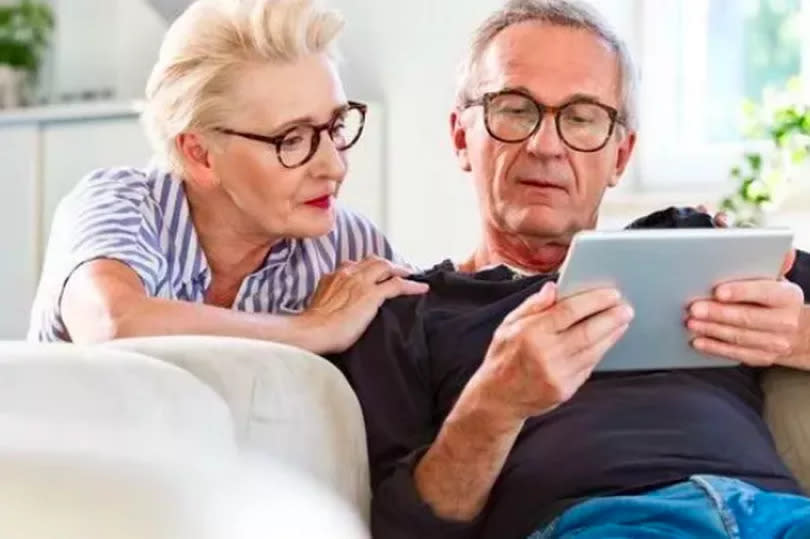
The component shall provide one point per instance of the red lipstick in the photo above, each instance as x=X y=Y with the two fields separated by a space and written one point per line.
x=324 y=202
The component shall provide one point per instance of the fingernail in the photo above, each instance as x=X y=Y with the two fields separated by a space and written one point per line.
x=723 y=294
x=628 y=313
x=699 y=310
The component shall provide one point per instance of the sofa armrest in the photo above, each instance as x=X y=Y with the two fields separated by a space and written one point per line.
x=103 y=442
x=787 y=411
x=106 y=398
x=286 y=403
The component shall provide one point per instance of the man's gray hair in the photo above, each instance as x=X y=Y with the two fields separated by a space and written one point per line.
x=568 y=13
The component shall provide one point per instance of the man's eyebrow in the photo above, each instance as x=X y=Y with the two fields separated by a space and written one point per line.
x=590 y=98
x=580 y=96
x=519 y=89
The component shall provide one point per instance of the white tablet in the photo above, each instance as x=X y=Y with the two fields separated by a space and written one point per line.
x=660 y=272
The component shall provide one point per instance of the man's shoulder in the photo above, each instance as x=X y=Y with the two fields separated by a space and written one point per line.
x=446 y=274
x=453 y=292
x=450 y=291
x=436 y=273
x=674 y=217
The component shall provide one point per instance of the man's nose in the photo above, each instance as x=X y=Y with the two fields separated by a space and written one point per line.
x=546 y=141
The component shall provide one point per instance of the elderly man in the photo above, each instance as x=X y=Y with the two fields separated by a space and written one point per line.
x=484 y=417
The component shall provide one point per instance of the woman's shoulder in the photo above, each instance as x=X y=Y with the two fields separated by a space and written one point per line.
x=123 y=184
x=356 y=237
x=347 y=216
x=108 y=201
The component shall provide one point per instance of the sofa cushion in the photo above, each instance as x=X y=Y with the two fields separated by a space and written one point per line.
x=787 y=410
x=83 y=493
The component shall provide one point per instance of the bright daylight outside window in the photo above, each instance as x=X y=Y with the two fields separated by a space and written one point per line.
x=701 y=61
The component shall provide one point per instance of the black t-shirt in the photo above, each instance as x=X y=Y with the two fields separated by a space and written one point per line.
x=620 y=433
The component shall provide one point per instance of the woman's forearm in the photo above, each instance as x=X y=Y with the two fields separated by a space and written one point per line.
x=103 y=300
x=155 y=316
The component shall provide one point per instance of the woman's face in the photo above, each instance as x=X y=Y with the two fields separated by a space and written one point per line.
x=270 y=198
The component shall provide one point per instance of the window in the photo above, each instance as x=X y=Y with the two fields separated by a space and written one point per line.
x=701 y=59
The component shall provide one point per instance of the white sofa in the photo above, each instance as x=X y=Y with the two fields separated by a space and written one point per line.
x=203 y=437
x=240 y=440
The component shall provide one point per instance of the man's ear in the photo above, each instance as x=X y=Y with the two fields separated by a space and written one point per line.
x=196 y=156
x=624 y=153
x=458 y=134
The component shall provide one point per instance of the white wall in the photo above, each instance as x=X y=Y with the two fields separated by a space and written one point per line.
x=81 y=52
x=103 y=45
x=405 y=55
x=400 y=53
x=138 y=44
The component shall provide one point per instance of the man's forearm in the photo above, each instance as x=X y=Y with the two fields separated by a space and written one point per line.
x=456 y=474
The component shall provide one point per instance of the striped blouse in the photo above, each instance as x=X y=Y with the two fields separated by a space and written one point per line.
x=141 y=218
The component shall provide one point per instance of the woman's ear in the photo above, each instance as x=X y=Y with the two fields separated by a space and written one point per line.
x=196 y=156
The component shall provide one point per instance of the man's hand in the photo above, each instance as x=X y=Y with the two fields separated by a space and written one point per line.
x=545 y=350
x=539 y=357
x=755 y=322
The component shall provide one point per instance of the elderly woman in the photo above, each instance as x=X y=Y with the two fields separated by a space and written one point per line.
x=234 y=230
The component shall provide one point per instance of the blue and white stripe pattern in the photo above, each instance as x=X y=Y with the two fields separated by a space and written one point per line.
x=141 y=218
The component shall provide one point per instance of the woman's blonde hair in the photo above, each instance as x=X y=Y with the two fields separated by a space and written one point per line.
x=207 y=46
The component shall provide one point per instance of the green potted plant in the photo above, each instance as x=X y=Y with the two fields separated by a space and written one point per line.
x=767 y=176
x=25 y=31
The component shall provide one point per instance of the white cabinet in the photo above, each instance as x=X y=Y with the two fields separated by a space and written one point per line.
x=45 y=151
x=72 y=149
x=18 y=227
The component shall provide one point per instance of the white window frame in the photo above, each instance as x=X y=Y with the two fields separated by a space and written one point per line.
x=665 y=164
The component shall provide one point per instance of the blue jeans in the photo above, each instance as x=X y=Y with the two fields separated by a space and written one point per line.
x=705 y=506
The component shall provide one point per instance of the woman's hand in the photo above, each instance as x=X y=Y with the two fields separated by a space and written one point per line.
x=346 y=301
x=720 y=218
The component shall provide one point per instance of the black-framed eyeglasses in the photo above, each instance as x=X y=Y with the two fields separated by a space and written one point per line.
x=513 y=116
x=298 y=144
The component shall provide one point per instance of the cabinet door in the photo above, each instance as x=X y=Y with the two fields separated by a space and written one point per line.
x=19 y=231
x=72 y=149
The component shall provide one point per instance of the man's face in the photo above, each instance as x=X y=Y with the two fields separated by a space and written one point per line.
x=540 y=188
